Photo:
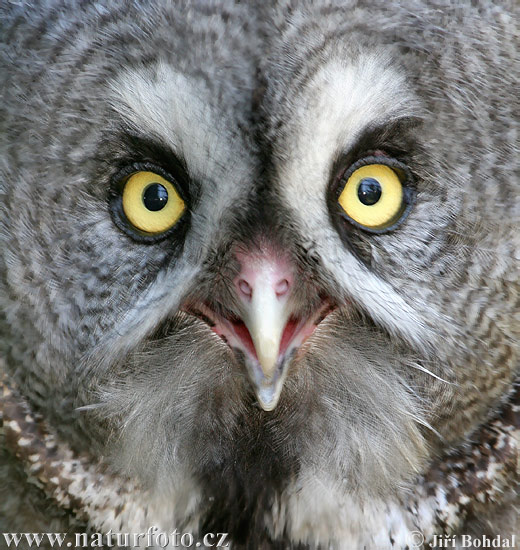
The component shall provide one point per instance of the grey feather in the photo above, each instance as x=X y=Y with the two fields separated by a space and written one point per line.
x=261 y=109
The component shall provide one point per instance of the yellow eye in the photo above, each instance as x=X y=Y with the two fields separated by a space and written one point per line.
x=373 y=196
x=151 y=203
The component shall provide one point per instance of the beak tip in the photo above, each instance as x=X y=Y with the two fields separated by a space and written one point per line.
x=268 y=398
x=268 y=391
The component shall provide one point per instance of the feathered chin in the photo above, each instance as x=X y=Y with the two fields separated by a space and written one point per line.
x=184 y=406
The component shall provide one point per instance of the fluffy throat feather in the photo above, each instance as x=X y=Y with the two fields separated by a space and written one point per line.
x=468 y=480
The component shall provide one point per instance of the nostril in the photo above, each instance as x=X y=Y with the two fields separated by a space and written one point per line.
x=245 y=288
x=281 y=287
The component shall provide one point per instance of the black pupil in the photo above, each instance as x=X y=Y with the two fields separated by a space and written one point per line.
x=155 y=197
x=369 y=191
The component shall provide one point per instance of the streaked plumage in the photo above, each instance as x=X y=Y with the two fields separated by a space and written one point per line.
x=267 y=364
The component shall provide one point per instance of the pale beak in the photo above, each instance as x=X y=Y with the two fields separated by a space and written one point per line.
x=266 y=316
x=264 y=286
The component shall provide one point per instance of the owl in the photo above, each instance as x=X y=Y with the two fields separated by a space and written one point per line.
x=259 y=272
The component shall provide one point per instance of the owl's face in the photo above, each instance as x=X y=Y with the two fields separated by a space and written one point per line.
x=258 y=295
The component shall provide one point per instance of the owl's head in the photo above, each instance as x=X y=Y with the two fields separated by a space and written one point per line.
x=264 y=263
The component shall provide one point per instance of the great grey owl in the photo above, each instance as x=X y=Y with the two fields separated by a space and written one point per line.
x=259 y=270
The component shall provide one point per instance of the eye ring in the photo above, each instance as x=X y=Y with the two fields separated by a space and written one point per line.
x=130 y=224
x=405 y=193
